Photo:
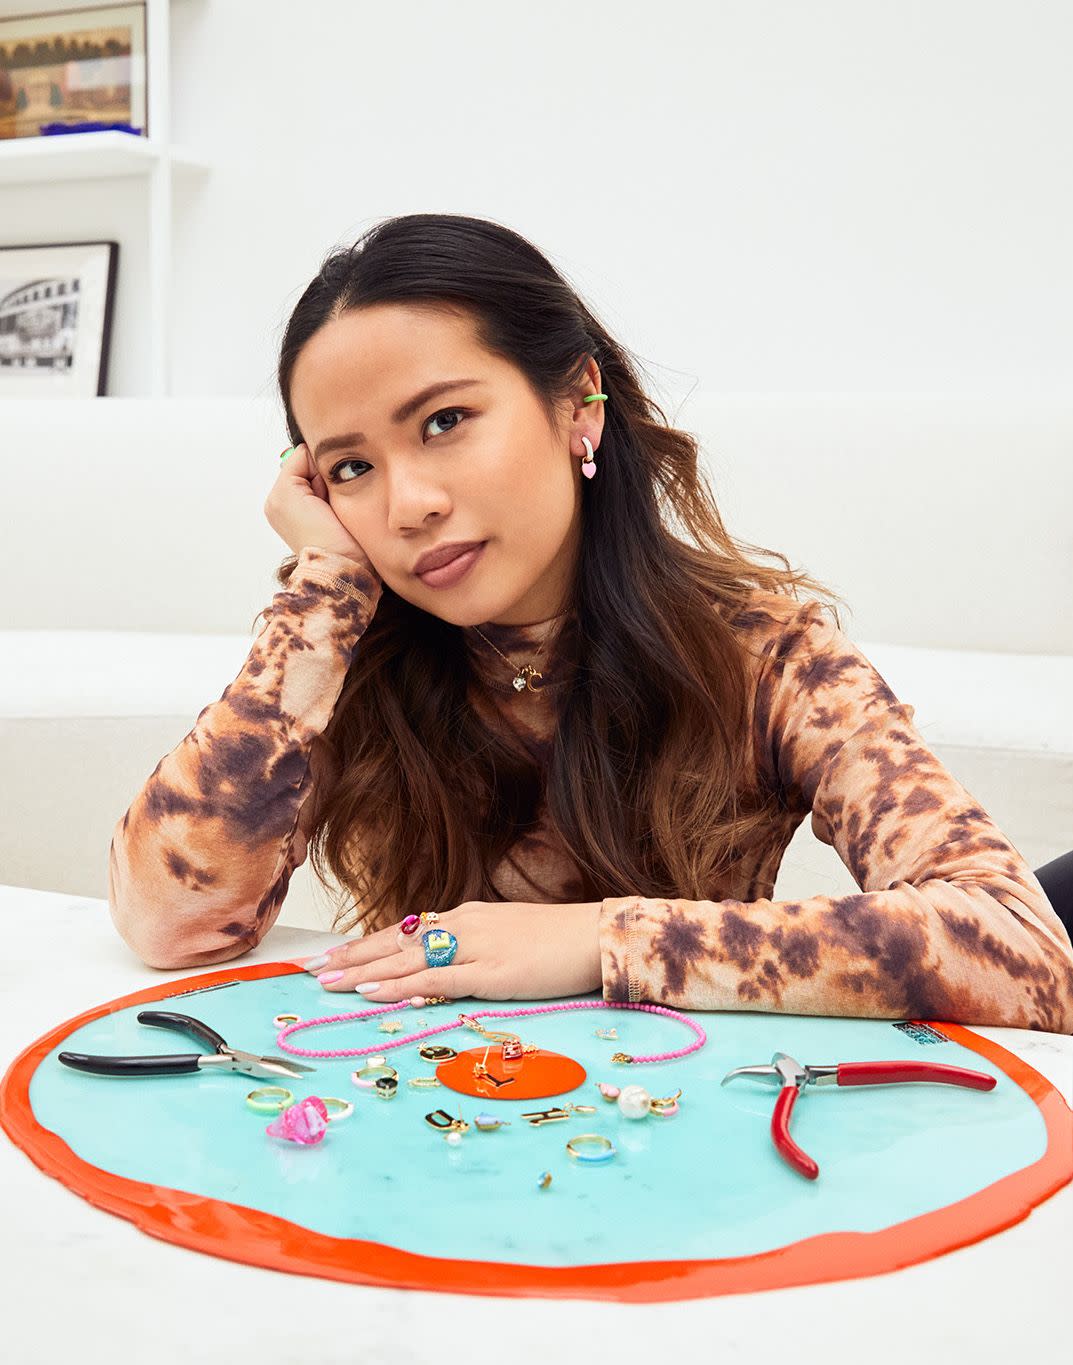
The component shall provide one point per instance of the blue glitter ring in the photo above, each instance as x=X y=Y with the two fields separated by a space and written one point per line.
x=444 y=953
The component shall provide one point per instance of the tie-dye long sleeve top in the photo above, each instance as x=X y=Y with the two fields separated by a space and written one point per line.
x=950 y=923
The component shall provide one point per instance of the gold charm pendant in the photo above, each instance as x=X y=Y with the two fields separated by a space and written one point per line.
x=525 y=678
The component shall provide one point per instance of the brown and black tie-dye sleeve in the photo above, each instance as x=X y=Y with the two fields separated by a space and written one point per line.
x=199 y=864
x=950 y=923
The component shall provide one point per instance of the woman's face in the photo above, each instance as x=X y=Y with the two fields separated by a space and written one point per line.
x=477 y=462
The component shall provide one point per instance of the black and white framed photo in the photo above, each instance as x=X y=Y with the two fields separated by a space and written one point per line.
x=56 y=304
x=73 y=69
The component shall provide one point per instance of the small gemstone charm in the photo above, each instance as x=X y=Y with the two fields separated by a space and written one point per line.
x=544 y=1180
x=609 y=1092
x=519 y=683
x=410 y=924
x=487 y=1123
x=588 y=468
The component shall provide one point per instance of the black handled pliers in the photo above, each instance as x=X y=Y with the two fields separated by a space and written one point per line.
x=223 y=1058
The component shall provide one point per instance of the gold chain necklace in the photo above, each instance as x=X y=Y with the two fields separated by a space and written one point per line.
x=524 y=675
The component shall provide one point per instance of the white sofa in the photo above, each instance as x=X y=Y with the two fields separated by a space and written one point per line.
x=139 y=556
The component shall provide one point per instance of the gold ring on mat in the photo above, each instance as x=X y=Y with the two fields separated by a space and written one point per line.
x=269 y=1099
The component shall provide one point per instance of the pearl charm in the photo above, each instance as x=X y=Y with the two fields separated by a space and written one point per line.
x=453 y=1138
x=634 y=1101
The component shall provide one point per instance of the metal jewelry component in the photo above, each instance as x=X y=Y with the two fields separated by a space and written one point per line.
x=447 y=1123
x=269 y=1099
x=337 y=1109
x=591 y=1147
x=386 y=1087
x=434 y=1052
x=369 y=1077
x=481 y=1072
x=544 y=1180
x=608 y=1033
x=666 y=1106
x=423 y=1082
x=428 y=917
x=524 y=674
x=513 y=1046
x=282 y=1020
x=538 y=1116
x=391 y=1026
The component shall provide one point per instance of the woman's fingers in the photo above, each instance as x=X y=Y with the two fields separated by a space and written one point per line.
x=390 y=967
x=431 y=981
x=354 y=953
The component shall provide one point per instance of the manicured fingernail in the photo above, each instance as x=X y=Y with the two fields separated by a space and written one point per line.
x=326 y=978
x=313 y=964
x=366 y=986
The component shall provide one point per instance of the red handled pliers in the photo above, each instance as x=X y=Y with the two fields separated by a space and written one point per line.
x=792 y=1077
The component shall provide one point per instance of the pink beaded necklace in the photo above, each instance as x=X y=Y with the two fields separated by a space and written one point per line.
x=283 y=1034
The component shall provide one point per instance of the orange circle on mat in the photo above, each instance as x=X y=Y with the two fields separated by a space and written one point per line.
x=535 y=1075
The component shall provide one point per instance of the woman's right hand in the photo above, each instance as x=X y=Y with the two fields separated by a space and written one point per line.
x=297 y=509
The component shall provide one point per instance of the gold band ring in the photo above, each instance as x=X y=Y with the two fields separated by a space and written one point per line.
x=269 y=1099
x=599 y=1148
x=368 y=1076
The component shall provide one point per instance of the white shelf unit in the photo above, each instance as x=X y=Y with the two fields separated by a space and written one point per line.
x=100 y=155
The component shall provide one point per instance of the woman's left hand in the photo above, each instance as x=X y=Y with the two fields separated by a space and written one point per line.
x=507 y=950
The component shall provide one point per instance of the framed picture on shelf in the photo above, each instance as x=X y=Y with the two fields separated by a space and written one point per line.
x=56 y=319
x=72 y=70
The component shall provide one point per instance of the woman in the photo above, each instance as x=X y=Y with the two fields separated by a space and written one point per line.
x=588 y=744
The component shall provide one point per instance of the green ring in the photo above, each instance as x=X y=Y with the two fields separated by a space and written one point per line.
x=286 y=453
x=594 y=396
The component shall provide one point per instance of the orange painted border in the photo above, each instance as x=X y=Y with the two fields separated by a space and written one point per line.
x=257 y=1238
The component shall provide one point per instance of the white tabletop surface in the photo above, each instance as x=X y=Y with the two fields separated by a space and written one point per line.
x=77 y=1283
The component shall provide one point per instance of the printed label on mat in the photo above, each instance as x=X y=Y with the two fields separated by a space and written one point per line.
x=921 y=1033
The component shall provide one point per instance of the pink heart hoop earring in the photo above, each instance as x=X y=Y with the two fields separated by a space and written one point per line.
x=588 y=465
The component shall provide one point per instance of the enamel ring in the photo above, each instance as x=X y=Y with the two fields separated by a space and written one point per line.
x=591 y=1147
x=368 y=1077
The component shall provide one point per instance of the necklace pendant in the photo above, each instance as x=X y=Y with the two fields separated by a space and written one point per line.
x=525 y=678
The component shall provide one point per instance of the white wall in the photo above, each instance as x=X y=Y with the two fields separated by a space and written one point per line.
x=766 y=195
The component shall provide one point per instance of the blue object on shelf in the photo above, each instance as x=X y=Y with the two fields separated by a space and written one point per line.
x=52 y=129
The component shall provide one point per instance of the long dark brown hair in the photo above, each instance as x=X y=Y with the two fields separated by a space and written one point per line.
x=643 y=783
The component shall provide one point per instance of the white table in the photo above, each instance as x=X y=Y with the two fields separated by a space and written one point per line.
x=77 y=1283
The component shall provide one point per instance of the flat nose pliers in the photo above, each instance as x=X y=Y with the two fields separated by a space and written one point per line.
x=222 y=1057
x=792 y=1077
